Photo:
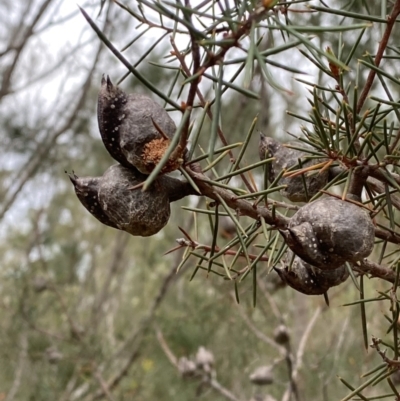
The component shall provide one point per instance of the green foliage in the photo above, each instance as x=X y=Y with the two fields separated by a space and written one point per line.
x=91 y=313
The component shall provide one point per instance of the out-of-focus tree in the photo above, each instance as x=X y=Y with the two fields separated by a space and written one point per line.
x=87 y=311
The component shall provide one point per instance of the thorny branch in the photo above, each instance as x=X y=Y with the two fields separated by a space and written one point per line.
x=392 y=363
x=379 y=54
x=203 y=104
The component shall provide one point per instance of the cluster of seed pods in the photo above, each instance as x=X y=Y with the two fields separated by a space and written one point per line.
x=322 y=235
x=136 y=131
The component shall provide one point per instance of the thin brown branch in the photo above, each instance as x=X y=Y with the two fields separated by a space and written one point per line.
x=44 y=148
x=195 y=82
x=222 y=390
x=5 y=87
x=258 y=333
x=375 y=270
x=104 y=387
x=244 y=207
x=209 y=112
x=379 y=175
x=391 y=20
x=378 y=187
x=234 y=38
x=392 y=363
x=165 y=347
x=142 y=19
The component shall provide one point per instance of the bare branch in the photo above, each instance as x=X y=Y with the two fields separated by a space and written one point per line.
x=23 y=353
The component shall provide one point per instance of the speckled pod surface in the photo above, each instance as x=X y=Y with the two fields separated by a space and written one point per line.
x=127 y=128
x=87 y=191
x=309 y=279
x=137 y=212
x=110 y=199
x=329 y=232
x=285 y=158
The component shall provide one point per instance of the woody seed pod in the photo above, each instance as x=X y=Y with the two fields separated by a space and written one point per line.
x=128 y=126
x=281 y=334
x=186 y=367
x=110 y=199
x=285 y=158
x=204 y=359
x=309 y=279
x=329 y=232
x=137 y=212
x=87 y=191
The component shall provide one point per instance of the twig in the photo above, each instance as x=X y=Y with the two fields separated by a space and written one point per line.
x=374 y=269
x=259 y=334
x=222 y=390
x=203 y=103
x=244 y=207
x=300 y=351
x=392 y=363
x=278 y=221
x=104 y=386
x=167 y=351
x=379 y=54
x=44 y=147
x=195 y=83
x=29 y=31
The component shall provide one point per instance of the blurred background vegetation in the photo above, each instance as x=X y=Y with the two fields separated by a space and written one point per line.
x=90 y=313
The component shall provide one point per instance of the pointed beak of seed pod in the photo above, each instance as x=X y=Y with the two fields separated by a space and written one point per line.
x=72 y=176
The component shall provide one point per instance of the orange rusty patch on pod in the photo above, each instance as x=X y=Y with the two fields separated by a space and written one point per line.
x=153 y=152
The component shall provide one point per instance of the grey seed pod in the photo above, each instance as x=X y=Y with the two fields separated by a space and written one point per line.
x=86 y=189
x=165 y=189
x=128 y=126
x=262 y=376
x=204 y=359
x=137 y=212
x=110 y=112
x=329 y=232
x=307 y=278
x=281 y=334
x=286 y=158
x=186 y=367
